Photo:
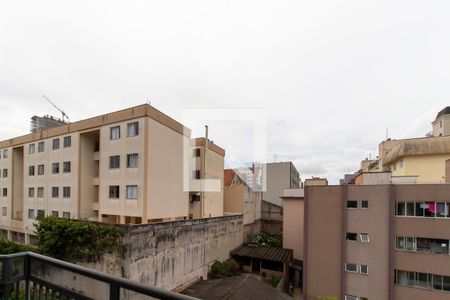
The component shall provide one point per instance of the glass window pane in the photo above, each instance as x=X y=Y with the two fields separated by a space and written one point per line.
x=430 y=209
x=401 y=277
x=419 y=209
x=437 y=282
x=441 y=209
x=400 y=243
x=401 y=209
x=422 y=280
x=410 y=244
x=446 y=283
x=410 y=208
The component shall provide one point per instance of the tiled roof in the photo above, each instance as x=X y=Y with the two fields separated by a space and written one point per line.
x=263 y=252
x=228 y=176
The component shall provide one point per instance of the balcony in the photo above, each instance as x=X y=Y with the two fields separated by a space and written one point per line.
x=27 y=276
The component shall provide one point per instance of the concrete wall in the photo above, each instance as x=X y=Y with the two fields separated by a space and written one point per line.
x=441 y=126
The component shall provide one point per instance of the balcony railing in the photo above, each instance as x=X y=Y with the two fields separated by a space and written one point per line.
x=28 y=276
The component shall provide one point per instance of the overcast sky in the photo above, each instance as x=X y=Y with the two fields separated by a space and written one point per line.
x=331 y=75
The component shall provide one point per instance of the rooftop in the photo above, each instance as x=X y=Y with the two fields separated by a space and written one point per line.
x=445 y=111
x=263 y=252
x=234 y=288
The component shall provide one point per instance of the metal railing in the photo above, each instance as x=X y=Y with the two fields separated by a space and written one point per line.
x=23 y=276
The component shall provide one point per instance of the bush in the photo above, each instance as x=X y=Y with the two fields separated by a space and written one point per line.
x=75 y=240
x=329 y=297
x=9 y=247
x=225 y=269
x=267 y=239
x=273 y=280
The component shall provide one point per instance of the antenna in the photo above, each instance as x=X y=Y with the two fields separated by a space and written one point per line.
x=63 y=114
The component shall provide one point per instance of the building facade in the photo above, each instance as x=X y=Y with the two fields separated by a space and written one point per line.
x=240 y=198
x=125 y=167
x=277 y=177
x=206 y=197
x=377 y=241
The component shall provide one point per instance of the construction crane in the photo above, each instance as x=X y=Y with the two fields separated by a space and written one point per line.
x=63 y=114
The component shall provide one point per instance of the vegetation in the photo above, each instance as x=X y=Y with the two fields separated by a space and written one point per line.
x=273 y=280
x=267 y=239
x=75 y=240
x=225 y=269
x=9 y=247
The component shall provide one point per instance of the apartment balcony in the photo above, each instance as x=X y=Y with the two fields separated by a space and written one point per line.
x=17 y=223
x=95 y=181
x=29 y=276
x=96 y=155
x=95 y=206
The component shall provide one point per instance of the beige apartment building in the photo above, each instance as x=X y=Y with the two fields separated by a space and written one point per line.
x=206 y=197
x=377 y=241
x=126 y=167
x=423 y=158
x=240 y=198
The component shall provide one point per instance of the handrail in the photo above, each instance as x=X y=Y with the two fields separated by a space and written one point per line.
x=115 y=283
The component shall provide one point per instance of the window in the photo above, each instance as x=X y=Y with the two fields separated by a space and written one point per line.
x=31 y=170
x=40 y=213
x=365 y=204
x=66 y=192
x=31 y=148
x=40 y=170
x=400 y=164
x=364 y=269
x=410 y=244
x=30 y=213
x=40 y=192
x=31 y=192
x=114 y=162
x=430 y=209
x=5 y=192
x=55 y=168
x=41 y=146
x=66 y=215
x=441 y=209
x=66 y=167
x=55 y=144
x=133 y=129
x=364 y=237
x=196 y=152
x=422 y=280
x=440 y=124
x=67 y=141
x=437 y=282
x=5 y=153
x=4 y=211
x=351 y=236
x=55 y=213
x=196 y=174
x=410 y=206
x=352 y=204
x=55 y=192
x=132 y=192
x=400 y=243
x=419 y=209
x=114 y=133
x=132 y=160
x=401 y=208
x=114 y=192
x=351 y=267
x=5 y=173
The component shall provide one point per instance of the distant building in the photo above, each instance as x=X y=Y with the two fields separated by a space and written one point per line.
x=240 y=198
x=46 y=122
x=207 y=165
x=279 y=176
x=315 y=181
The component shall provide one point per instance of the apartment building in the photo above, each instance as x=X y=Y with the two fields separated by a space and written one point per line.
x=240 y=198
x=377 y=241
x=278 y=176
x=206 y=195
x=123 y=167
x=423 y=157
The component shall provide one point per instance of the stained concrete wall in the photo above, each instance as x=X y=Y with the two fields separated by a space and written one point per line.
x=169 y=255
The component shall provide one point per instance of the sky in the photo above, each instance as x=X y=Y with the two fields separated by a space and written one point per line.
x=330 y=76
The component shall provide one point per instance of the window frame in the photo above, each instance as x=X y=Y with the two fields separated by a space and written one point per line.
x=111 y=130
x=131 y=125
